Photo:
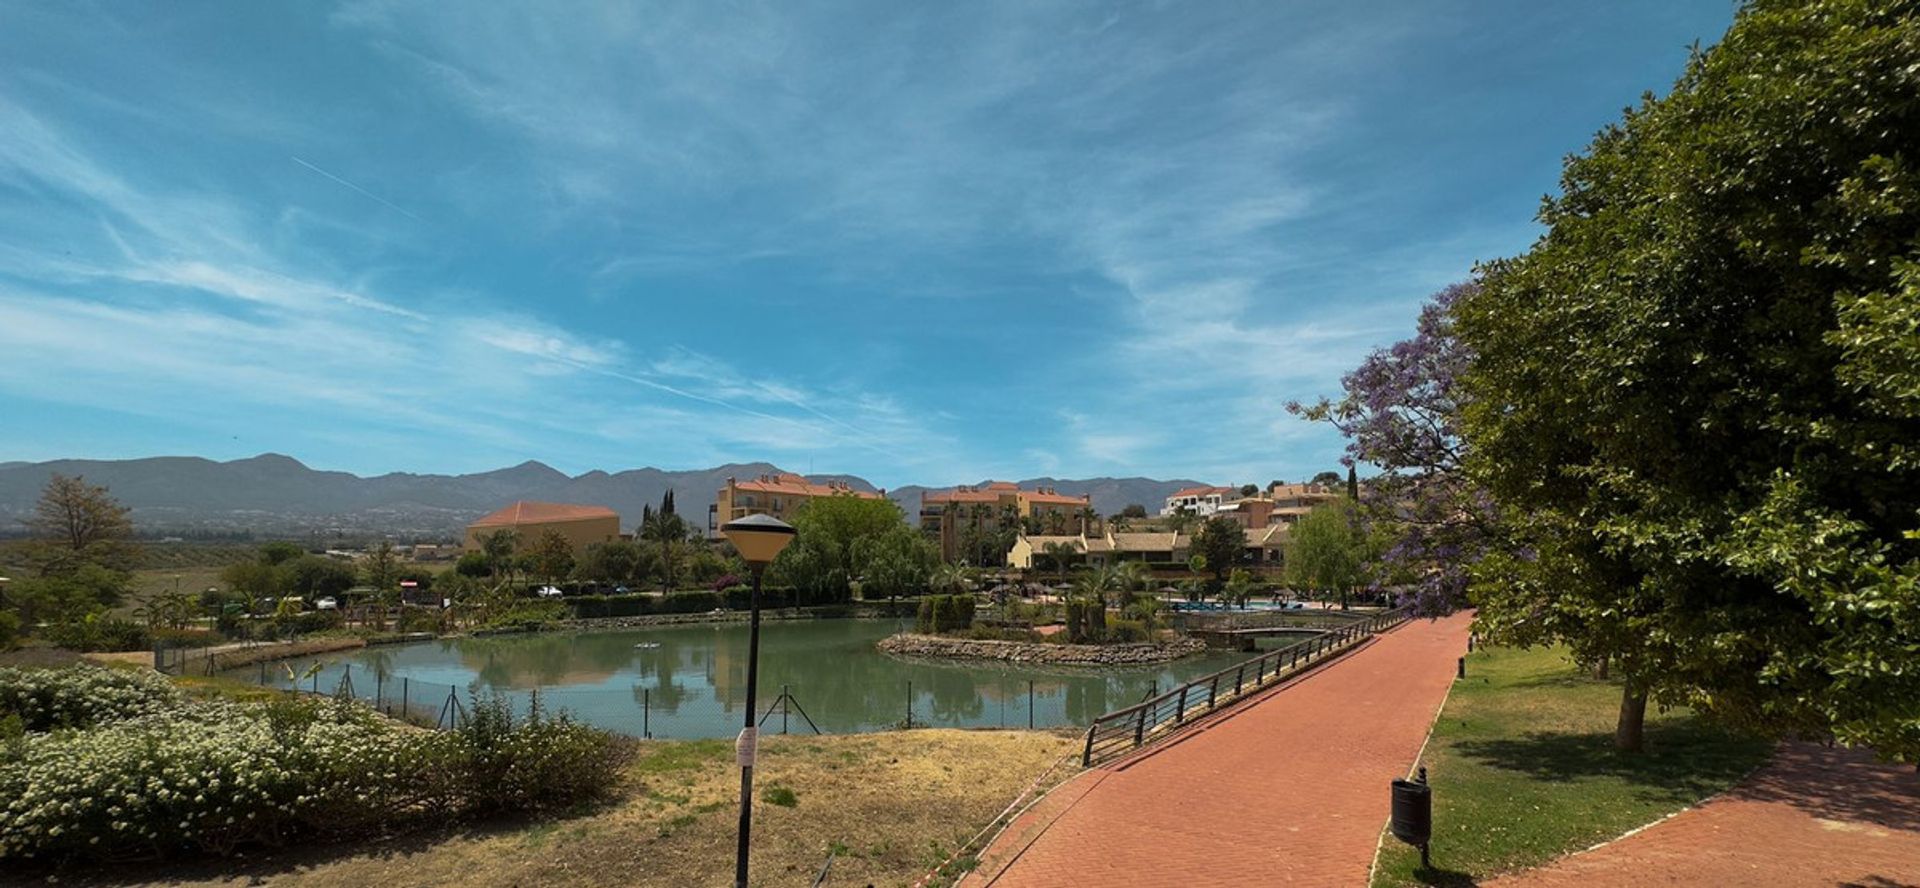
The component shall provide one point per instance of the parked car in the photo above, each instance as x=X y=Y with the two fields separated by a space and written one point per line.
x=619 y=590
x=549 y=592
x=326 y=604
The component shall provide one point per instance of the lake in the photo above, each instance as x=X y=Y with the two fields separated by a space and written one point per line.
x=689 y=681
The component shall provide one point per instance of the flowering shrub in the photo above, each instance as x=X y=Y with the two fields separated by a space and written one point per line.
x=216 y=776
x=82 y=696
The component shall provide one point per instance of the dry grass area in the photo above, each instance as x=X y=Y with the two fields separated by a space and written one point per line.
x=888 y=806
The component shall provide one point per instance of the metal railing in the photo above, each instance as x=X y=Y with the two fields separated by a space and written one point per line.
x=1129 y=728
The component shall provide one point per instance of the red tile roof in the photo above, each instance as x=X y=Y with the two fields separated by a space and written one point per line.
x=524 y=512
x=798 y=485
x=993 y=492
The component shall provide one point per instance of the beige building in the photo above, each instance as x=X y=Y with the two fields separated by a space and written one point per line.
x=777 y=495
x=945 y=514
x=1102 y=548
x=583 y=526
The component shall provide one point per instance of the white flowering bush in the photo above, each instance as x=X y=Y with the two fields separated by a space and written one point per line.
x=82 y=696
x=211 y=777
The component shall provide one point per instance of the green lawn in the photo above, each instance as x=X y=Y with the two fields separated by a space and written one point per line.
x=1524 y=770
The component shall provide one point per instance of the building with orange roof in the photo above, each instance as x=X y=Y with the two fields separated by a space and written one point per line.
x=779 y=495
x=582 y=526
x=1000 y=506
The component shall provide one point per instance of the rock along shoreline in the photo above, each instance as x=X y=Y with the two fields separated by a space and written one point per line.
x=910 y=644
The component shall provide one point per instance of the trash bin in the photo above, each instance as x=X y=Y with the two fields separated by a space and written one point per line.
x=1412 y=812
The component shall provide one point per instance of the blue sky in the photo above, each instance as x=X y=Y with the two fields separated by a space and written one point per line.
x=923 y=243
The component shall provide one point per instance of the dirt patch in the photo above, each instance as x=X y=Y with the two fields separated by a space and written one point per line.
x=889 y=807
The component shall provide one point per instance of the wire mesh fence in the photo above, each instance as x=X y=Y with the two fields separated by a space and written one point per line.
x=689 y=710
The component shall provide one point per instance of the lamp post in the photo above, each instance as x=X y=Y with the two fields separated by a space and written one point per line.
x=759 y=538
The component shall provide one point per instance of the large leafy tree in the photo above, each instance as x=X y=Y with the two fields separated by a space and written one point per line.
x=821 y=562
x=1327 y=550
x=1698 y=396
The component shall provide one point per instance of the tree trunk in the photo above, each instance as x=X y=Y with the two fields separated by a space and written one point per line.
x=1630 y=732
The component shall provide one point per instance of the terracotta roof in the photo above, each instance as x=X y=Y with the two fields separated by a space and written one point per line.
x=995 y=491
x=1273 y=536
x=798 y=485
x=1040 y=543
x=525 y=512
x=1146 y=542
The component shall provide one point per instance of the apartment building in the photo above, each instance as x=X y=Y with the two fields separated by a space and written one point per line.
x=778 y=495
x=946 y=514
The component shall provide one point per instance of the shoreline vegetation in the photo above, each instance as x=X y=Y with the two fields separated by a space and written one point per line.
x=941 y=647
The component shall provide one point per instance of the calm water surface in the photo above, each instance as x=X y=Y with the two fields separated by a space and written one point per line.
x=689 y=681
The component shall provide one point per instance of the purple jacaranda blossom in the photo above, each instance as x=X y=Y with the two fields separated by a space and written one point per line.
x=1400 y=414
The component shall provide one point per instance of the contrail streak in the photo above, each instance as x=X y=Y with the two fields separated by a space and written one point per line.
x=368 y=194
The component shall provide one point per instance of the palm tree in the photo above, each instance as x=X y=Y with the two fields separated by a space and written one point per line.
x=950 y=579
x=1133 y=575
x=1058 y=553
x=1087 y=518
x=1091 y=589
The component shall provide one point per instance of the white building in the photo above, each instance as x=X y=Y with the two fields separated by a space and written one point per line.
x=1201 y=501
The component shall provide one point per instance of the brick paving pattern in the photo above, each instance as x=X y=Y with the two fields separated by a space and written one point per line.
x=1812 y=816
x=1288 y=789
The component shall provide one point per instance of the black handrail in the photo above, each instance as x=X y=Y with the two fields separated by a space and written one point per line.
x=1146 y=721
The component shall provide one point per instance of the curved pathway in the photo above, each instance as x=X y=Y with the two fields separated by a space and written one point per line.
x=1812 y=816
x=1288 y=789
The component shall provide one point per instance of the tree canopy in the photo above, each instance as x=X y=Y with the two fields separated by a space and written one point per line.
x=1326 y=550
x=1697 y=398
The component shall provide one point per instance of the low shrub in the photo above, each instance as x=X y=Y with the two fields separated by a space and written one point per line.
x=1128 y=631
x=215 y=776
x=82 y=696
x=9 y=629
x=420 y=619
x=99 y=632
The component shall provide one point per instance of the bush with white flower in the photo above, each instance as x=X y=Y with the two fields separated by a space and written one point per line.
x=82 y=696
x=210 y=777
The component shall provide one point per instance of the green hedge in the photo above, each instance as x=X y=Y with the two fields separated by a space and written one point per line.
x=945 y=613
x=589 y=607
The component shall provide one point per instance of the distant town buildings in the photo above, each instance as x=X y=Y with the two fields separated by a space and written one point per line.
x=1202 y=501
x=946 y=514
x=777 y=495
x=582 y=526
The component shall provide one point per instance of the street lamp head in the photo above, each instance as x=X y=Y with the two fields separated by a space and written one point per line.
x=758 y=537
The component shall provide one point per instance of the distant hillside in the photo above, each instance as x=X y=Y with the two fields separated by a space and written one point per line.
x=272 y=495
x=1110 y=495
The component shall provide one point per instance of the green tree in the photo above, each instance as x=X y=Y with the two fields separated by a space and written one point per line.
x=1326 y=550
x=1134 y=510
x=381 y=568
x=893 y=563
x=314 y=576
x=553 y=556
x=1697 y=397
x=612 y=562
x=1326 y=479
x=500 y=548
x=280 y=552
x=820 y=563
x=1223 y=543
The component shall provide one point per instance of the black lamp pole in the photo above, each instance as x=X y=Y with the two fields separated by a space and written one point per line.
x=749 y=739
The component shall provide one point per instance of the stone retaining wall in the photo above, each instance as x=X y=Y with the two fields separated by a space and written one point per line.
x=907 y=644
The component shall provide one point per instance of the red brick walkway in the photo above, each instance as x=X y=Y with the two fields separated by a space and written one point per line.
x=1812 y=816
x=1290 y=789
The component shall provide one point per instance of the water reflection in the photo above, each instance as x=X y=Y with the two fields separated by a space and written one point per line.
x=689 y=681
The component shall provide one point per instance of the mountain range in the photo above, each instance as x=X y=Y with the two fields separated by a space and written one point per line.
x=275 y=495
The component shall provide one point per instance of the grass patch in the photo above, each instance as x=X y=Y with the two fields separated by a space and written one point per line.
x=1524 y=770
x=779 y=795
